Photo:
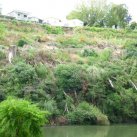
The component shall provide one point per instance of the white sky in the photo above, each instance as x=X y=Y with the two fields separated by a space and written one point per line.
x=55 y=8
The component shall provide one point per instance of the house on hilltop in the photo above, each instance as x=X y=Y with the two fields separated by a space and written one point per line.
x=5 y=17
x=35 y=19
x=64 y=22
x=19 y=15
x=73 y=23
x=53 y=21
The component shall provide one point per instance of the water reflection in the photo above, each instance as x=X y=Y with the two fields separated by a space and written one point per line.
x=91 y=131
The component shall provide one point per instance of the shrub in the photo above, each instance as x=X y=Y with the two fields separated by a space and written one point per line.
x=70 y=77
x=75 y=41
x=95 y=73
x=69 y=41
x=62 y=56
x=21 y=43
x=2 y=30
x=41 y=70
x=20 y=118
x=87 y=114
x=105 y=55
x=53 y=29
x=133 y=25
x=22 y=73
x=2 y=54
x=131 y=49
x=49 y=105
x=88 y=52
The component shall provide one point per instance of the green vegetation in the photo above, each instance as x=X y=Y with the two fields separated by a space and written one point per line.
x=21 y=43
x=19 y=118
x=99 y=13
x=53 y=30
x=81 y=76
x=87 y=114
x=2 y=30
x=133 y=26
x=70 y=78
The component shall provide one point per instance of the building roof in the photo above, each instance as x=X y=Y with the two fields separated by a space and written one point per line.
x=8 y=17
x=33 y=17
x=19 y=11
x=76 y=20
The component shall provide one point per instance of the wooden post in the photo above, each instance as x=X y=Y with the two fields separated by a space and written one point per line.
x=12 y=53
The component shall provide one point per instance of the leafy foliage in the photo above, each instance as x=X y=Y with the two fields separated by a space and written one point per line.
x=87 y=52
x=117 y=16
x=87 y=114
x=23 y=73
x=21 y=42
x=41 y=70
x=70 y=77
x=53 y=30
x=2 y=54
x=96 y=65
x=133 y=25
x=99 y=14
x=19 y=118
x=2 y=30
x=92 y=13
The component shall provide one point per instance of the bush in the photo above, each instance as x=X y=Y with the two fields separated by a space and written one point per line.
x=69 y=41
x=22 y=73
x=88 y=52
x=20 y=118
x=87 y=114
x=2 y=54
x=131 y=49
x=53 y=29
x=70 y=77
x=105 y=55
x=49 y=105
x=2 y=30
x=41 y=70
x=75 y=41
x=21 y=43
x=133 y=25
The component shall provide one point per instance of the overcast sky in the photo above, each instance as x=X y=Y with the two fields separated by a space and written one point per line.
x=55 y=8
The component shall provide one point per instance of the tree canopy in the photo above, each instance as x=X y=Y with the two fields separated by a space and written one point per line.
x=117 y=15
x=99 y=13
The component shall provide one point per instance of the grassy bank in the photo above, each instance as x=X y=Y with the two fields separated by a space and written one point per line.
x=81 y=76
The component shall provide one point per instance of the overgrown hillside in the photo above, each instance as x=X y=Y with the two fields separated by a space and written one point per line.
x=81 y=76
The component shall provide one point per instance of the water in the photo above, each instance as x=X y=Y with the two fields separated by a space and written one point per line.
x=91 y=131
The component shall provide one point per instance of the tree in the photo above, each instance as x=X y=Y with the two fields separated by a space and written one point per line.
x=117 y=15
x=91 y=13
x=133 y=25
x=99 y=13
x=20 y=118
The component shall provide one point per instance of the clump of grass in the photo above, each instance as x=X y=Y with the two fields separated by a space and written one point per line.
x=53 y=29
x=131 y=49
x=21 y=43
x=62 y=56
x=75 y=41
x=89 y=52
x=2 y=30
x=2 y=54
x=41 y=70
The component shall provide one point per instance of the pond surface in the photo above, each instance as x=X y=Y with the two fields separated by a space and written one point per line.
x=91 y=131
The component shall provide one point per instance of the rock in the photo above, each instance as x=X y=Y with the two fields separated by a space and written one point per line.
x=61 y=120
